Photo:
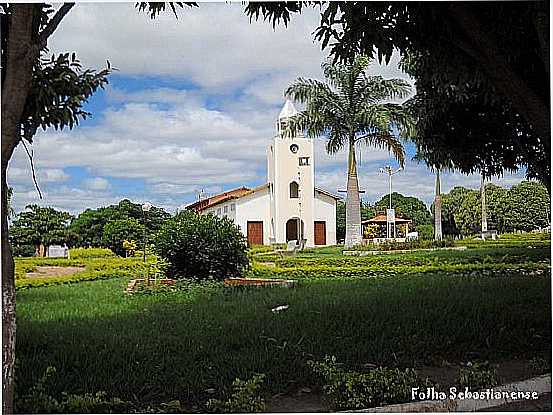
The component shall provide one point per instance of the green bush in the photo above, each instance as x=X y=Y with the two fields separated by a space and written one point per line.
x=426 y=231
x=93 y=269
x=38 y=400
x=116 y=232
x=202 y=247
x=244 y=398
x=477 y=376
x=23 y=250
x=344 y=390
x=83 y=253
x=375 y=270
x=414 y=244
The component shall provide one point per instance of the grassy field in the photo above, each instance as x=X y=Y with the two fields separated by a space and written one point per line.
x=180 y=345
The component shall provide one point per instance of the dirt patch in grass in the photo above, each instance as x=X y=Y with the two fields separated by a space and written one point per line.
x=51 y=271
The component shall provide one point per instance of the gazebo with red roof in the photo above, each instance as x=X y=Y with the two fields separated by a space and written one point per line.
x=381 y=221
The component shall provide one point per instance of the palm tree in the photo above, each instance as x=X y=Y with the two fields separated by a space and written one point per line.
x=483 y=201
x=438 y=209
x=349 y=109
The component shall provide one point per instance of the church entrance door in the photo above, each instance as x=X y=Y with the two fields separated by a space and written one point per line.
x=291 y=230
x=294 y=229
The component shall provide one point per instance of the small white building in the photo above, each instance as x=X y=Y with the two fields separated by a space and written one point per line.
x=287 y=207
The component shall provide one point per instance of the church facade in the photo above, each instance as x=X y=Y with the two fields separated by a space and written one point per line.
x=287 y=207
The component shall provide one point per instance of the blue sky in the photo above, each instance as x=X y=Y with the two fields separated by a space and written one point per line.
x=192 y=106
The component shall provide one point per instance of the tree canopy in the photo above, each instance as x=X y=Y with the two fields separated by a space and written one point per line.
x=115 y=233
x=407 y=207
x=524 y=207
x=89 y=225
x=450 y=204
x=37 y=226
x=481 y=72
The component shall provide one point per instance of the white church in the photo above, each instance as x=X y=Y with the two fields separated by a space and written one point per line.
x=287 y=207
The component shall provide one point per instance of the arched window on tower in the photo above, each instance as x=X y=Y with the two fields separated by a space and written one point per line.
x=294 y=190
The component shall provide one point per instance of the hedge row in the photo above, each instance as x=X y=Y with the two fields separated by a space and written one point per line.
x=80 y=253
x=414 y=244
x=418 y=259
x=321 y=271
x=94 y=269
x=78 y=277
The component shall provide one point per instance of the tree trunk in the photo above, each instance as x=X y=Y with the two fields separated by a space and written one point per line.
x=438 y=210
x=22 y=52
x=353 y=203
x=8 y=308
x=483 y=197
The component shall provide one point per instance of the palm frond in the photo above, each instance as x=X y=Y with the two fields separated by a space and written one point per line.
x=383 y=117
x=385 y=140
x=375 y=89
x=304 y=90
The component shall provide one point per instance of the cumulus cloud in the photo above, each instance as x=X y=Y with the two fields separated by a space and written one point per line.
x=209 y=129
x=96 y=183
x=214 y=45
x=23 y=175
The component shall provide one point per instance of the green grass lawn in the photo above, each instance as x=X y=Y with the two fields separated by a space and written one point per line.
x=156 y=348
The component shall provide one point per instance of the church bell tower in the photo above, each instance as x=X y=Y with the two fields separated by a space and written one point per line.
x=290 y=173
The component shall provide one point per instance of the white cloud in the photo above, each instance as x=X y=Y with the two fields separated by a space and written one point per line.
x=213 y=45
x=23 y=175
x=170 y=149
x=96 y=183
x=168 y=137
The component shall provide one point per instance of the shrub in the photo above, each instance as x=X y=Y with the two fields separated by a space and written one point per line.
x=38 y=400
x=129 y=247
x=116 y=232
x=84 y=253
x=481 y=270
x=243 y=399
x=540 y=365
x=94 y=269
x=371 y=231
x=202 y=247
x=23 y=250
x=413 y=244
x=425 y=231
x=345 y=390
x=477 y=376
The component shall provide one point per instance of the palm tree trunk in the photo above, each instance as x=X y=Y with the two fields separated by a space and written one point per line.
x=483 y=197
x=353 y=203
x=438 y=210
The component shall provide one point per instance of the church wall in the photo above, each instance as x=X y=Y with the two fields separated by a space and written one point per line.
x=254 y=207
x=223 y=210
x=325 y=210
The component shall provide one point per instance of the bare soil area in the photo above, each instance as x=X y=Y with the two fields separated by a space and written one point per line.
x=52 y=271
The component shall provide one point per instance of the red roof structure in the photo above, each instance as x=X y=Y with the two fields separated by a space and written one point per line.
x=208 y=202
x=379 y=219
x=203 y=204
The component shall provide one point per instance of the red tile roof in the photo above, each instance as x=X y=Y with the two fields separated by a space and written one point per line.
x=382 y=219
x=208 y=202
